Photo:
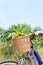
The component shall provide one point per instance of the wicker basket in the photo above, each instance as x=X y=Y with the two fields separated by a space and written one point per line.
x=22 y=43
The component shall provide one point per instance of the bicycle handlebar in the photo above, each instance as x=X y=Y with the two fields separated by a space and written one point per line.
x=33 y=36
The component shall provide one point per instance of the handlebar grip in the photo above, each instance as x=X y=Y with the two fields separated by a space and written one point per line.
x=33 y=36
x=40 y=34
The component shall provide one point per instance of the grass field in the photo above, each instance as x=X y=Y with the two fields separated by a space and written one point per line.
x=13 y=55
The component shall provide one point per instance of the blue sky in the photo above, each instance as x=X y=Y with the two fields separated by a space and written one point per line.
x=21 y=11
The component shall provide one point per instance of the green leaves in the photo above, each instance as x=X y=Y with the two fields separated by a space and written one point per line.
x=38 y=42
x=4 y=34
x=20 y=27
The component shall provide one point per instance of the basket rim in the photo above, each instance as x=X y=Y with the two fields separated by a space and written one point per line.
x=21 y=36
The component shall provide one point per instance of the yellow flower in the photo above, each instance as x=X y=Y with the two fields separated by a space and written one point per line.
x=17 y=33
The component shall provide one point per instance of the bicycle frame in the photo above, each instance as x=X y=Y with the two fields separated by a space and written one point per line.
x=33 y=56
x=30 y=56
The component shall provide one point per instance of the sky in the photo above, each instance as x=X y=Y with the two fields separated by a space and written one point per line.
x=21 y=11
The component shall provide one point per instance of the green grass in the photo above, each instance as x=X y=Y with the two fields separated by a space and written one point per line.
x=12 y=55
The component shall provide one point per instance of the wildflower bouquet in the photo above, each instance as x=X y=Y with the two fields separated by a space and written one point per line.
x=18 y=33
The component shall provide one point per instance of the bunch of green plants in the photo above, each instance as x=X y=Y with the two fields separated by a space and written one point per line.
x=16 y=30
x=38 y=42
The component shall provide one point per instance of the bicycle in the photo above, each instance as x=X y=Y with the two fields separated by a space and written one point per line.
x=32 y=56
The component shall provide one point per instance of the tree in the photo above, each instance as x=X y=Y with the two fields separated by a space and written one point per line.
x=37 y=29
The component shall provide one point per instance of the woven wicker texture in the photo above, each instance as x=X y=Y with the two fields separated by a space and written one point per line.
x=22 y=43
